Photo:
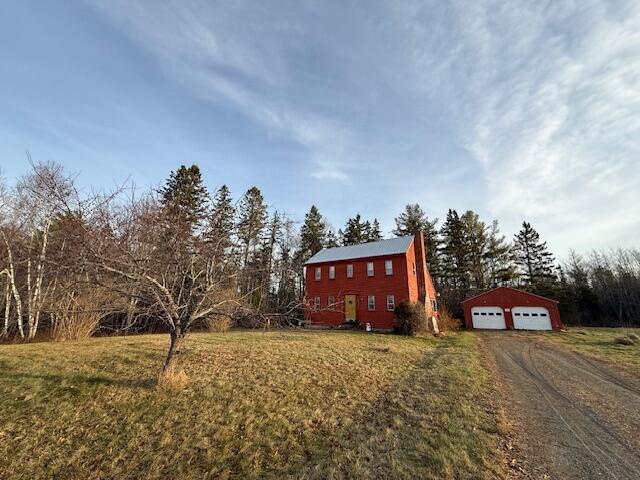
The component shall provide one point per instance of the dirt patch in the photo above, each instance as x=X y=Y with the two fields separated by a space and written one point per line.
x=570 y=417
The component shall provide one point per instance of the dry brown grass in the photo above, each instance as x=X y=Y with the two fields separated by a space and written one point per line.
x=623 y=340
x=175 y=380
x=615 y=345
x=282 y=404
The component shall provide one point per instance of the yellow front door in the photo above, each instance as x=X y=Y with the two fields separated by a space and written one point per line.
x=349 y=307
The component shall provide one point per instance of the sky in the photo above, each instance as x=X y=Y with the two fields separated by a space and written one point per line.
x=518 y=110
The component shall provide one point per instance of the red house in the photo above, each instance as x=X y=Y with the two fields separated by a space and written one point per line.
x=506 y=308
x=364 y=283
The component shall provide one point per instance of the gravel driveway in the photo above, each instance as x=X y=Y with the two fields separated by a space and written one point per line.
x=573 y=417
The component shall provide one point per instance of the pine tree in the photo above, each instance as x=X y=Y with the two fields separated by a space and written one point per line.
x=252 y=215
x=221 y=221
x=475 y=239
x=533 y=257
x=272 y=235
x=412 y=221
x=454 y=254
x=355 y=231
x=332 y=238
x=375 y=233
x=313 y=233
x=500 y=267
x=185 y=198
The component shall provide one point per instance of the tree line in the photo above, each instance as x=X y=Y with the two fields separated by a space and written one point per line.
x=467 y=255
x=74 y=262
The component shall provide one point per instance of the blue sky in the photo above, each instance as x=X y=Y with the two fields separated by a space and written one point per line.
x=517 y=110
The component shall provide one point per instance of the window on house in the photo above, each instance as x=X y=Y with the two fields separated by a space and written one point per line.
x=318 y=273
x=391 y=302
x=350 y=271
x=317 y=303
x=434 y=305
x=332 y=272
x=388 y=267
x=414 y=269
x=369 y=269
x=371 y=302
x=331 y=302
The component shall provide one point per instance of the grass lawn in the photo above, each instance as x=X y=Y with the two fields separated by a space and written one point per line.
x=278 y=404
x=598 y=342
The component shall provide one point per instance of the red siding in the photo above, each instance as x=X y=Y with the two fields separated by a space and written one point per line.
x=380 y=285
x=507 y=298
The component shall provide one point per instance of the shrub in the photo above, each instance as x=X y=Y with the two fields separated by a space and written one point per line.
x=623 y=341
x=411 y=319
x=446 y=321
x=77 y=314
x=218 y=323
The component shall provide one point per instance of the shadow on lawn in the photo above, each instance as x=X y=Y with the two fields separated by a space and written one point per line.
x=70 y=381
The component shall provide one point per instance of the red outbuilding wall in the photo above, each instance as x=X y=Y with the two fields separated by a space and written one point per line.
x=507 y=298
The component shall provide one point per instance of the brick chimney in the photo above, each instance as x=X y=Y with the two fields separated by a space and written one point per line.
x=421 y=266
x=426 y=290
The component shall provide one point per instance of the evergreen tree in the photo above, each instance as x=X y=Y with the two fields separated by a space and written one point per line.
x=289 y=262
x=578 y=300
x=414 y=220
x=272 y=234
x=500 y=268
x=455 y=256
x=475 y=239
x=184 y=197
x=355 y=231
x=252 y=215
x=332 y=238
x=533 y=257
x=221 y=221
x=375 y=233
x=313 y=234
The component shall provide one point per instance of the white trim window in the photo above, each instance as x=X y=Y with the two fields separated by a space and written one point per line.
x=388 y=267
x=331 y=302
x=369 y=269
x=350 y=270
x=371 y=303
x=414 y=269
x=316 y=303
x=332 y=272
x=318 y=273
x=391 y=302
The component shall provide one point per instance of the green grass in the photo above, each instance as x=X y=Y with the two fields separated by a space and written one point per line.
x=258 y=405
x=598 y=342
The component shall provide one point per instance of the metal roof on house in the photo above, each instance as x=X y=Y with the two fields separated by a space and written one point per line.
x=391 y=246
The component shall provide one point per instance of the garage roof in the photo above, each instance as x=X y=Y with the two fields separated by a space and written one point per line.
x=391 y=246
x=508 y=288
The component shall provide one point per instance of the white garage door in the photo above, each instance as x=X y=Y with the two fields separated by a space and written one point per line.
x=531 y=318
x=488 y=317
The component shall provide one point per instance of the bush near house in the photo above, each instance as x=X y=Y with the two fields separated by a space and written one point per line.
x=411 y=318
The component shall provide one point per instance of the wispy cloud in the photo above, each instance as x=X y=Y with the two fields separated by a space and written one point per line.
x=238 y=54
x=544 y=97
